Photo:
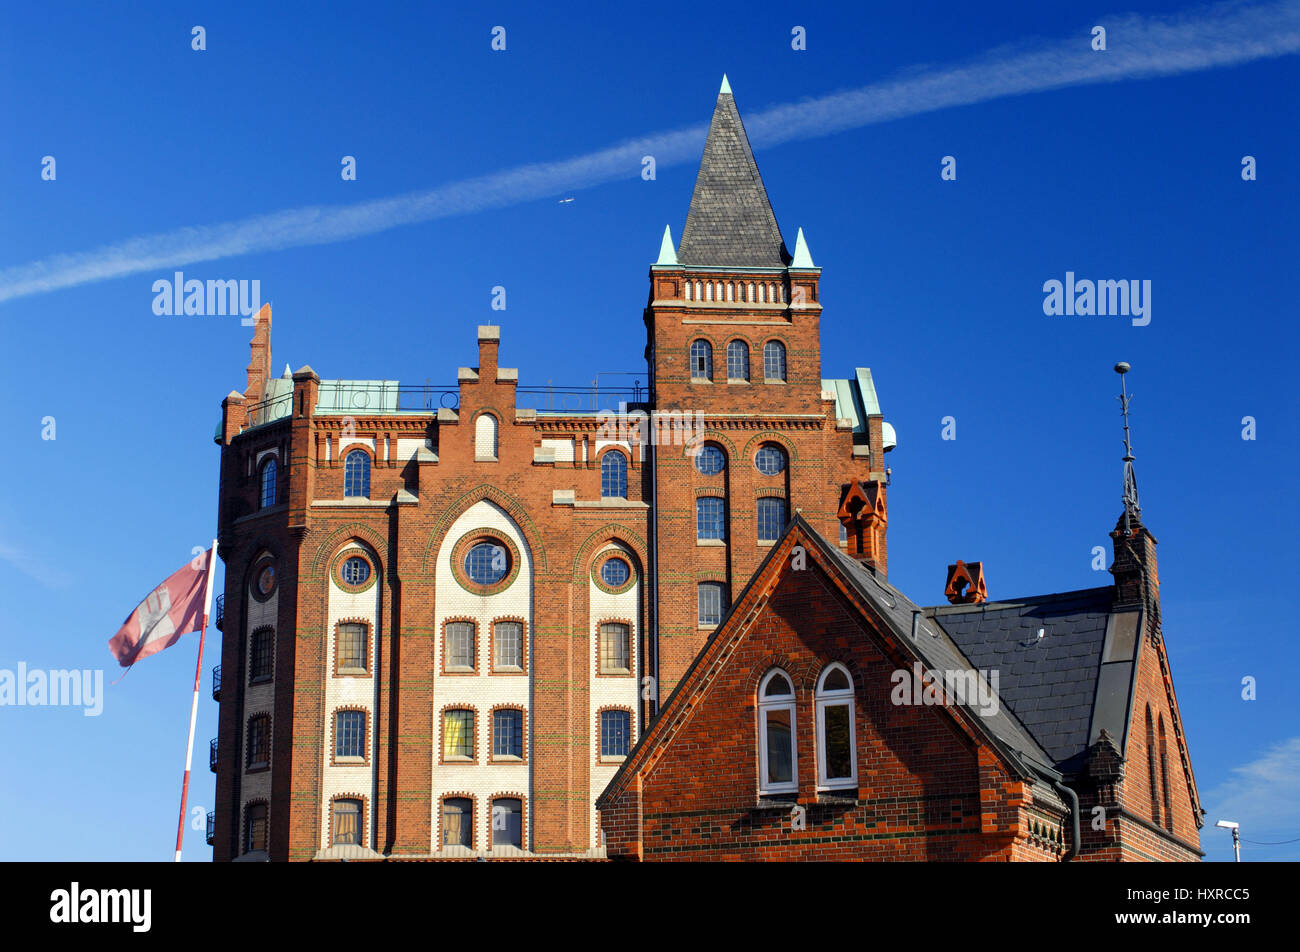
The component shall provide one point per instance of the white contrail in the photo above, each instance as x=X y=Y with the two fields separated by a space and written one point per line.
x=1137 y=47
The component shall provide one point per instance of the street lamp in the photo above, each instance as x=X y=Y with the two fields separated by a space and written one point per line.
x=1236 y=836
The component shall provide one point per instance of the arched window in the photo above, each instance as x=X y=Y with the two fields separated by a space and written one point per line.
x=613 y=475
x=777 y=765
x=731 y=290
x=837 y=763
x=737 y=360
x=762 y=294
x=770 y=459
x=708 y=290
x=349 y=735
x=1164 y=775
x=710 y=460
x=689 y=289
x=508 y=822
x=701 y=360
x=485 y=437
x=267 y=497
x=750 y=296
x=615 y=734
x=774 y=360
x=1151 y=770
x=356 y=474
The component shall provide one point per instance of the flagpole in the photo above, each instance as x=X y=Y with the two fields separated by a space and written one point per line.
x=194 y=704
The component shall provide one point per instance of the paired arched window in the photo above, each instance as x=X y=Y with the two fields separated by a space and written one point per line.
x=701 y=360
x=485 y=437
x=613 y=475
x=737 y=360
x=774 y=360
x=777 y=766
x=837 y=763
x=356 y=474
x=267 y=496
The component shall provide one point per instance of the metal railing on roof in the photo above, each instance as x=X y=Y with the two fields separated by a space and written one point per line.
x=378 y=397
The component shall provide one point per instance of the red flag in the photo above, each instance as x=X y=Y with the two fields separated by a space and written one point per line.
x=173 y=609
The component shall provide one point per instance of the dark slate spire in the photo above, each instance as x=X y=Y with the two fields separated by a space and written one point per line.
x=730 y=223
x=1132 y=511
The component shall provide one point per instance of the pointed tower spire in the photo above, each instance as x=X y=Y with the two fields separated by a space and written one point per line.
x=730 y=223
x=802 y=257
x=1132 y=511
x=667 y=254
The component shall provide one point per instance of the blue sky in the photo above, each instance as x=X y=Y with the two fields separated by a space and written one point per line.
x=936 y=286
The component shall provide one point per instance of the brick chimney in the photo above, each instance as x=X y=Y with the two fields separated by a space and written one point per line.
x=1134 y=567
x=965 y=585
x=864 y=515
x=259 y=360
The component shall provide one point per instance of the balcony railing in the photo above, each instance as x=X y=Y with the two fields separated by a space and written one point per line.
x=212 y=756
x=216 y=683
x=211 y=833
x=366 y=397
x=221 y=612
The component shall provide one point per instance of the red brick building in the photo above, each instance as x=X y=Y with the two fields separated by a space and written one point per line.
x=450 y=612
x=830 y=717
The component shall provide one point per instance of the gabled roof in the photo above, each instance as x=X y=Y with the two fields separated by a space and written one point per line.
x=730 y=223
x=1051 y=683
x=933 y=648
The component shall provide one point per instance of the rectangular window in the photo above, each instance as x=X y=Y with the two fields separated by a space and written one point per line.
x=508 y=733
x=615 y=733
x=778 y=746
x=507 y=823
x=457 y=822
x=352 y=655
x=838 y=755
x=350 y=735
x=261 y=656
x=508 y=641
x=771 y=518
x=460 y=646
x=615 y=648
x=258 y=742
x=712 y=603
x=710 y=522
x=458 y=735
x=255 y=828
x=347 y=823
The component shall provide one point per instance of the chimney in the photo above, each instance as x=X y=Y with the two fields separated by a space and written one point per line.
x=259 y=361
x=965 y=585
x=864 y=515
x=489 y=339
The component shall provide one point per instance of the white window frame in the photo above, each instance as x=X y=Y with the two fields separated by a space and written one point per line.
x=766 y=705
x=824 y=699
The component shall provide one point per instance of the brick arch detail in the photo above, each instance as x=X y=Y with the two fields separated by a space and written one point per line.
x=770 y=436
x=509 y=504
x=804 y=673
x=610 y=532
x=325 y=552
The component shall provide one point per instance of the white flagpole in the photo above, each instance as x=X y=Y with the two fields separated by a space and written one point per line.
x=194 y=704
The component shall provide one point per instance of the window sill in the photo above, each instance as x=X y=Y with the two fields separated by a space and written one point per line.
x=700 y=380
x=738 y=380
x=349 y=761
x=257 y=767
x=353 y=672
x=612 y=760
x=458 y=669
x=505 y=759
x=458 y=760
x=254 y=682
x=776 y=801
x=712 y=627
x=711 y=542
x=486 y=459
x=508 y=669
x=766 y=543
x=772 y=380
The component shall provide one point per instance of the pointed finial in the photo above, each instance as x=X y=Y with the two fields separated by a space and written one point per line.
x=802 y=257
x=667 y=253
x=1131 y=508
x=287 y=372
x=726 y=86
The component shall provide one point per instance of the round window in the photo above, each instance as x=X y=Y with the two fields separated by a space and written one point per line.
x=710 y=460
x=615 y=573
x=487 y=563
x=770 y=460
x=266 y=580
x=355 y=570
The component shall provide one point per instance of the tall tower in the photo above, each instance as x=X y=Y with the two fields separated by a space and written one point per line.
x=733 y=343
